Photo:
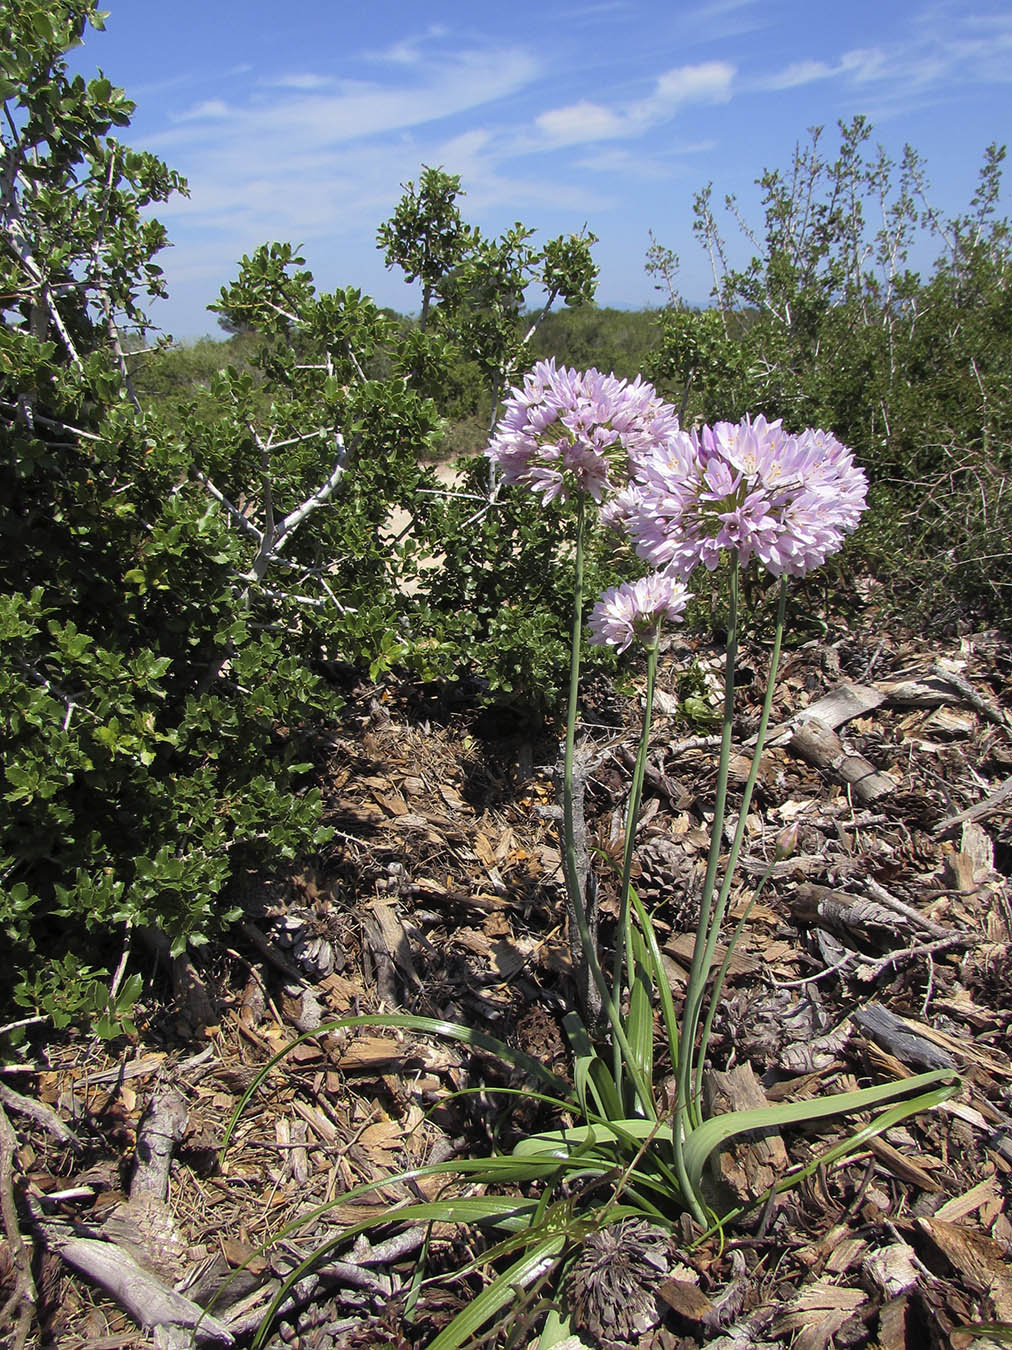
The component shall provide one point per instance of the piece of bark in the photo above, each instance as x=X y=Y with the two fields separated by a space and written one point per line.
x=753 y=1162
x=892 y=1324
x=820 y=746
x=144 y=1226
x=917 y=919
x=387 y=933
x=848 y=916
x=42 y=1115
x=162 y=1126
x=985 y=706
x=892 y=1033
x=840 y=704
x=686 y=1299
x=923 y=692
x=581 y=884
x=891 y=1269
x=24 y=1298
x=903 y=1167
x=978 y=1258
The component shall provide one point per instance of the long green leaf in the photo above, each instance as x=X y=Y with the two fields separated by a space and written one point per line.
x=716 y=1131
x=433 y=1026
x=871 y=1129
x=591 y=1076
x=660 y=976
x=640 y=1020
x=562 y=1143
x=538 y=1261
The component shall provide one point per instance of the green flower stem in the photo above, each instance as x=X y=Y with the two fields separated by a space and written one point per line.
x=572 y=871
x=623 y=963
x=686 y=1113
x=699 y=971
x=718 y=984
x=732 y=860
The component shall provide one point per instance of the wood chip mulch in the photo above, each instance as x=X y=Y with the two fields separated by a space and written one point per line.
x=880 y=947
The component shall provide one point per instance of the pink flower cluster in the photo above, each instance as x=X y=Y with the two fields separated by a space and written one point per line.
x=568 y=431
x=749 y=488
x=636 y=609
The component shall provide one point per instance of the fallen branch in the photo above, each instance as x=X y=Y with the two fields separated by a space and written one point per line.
x=992 y=804
x=24 y=1298
x=148 y=1301
x=41 y=1114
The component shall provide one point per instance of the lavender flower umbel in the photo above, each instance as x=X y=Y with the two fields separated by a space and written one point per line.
x=568 y=431
x=636 y=609
x=748 y=487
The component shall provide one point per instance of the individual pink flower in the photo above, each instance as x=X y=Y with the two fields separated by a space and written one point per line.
x=566 y=430
x=636 y=609
x=748 y=488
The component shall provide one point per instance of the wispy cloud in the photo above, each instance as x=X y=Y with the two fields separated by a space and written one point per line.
x=305 y=115
x=720 y=20
x=943 y=49
x=576 y=123
x=622 y=163
x=303 y=81
x=208 y=109
x=308 y=156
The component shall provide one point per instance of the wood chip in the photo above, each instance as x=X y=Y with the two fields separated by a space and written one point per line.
x=978 y=1258
x=980 y=1196
x=892 y=1269
x=749 y=1164
x=687 y=1299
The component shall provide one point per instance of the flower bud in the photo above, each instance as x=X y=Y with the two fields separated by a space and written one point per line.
x=787 y=843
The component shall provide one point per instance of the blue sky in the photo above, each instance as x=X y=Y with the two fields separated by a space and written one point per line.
x=299 y=121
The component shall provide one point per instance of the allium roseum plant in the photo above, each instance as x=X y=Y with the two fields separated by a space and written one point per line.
x=740 y=494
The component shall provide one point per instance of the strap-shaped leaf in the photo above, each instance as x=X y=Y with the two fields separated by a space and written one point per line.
x=716 y=1131
x=503 y=1290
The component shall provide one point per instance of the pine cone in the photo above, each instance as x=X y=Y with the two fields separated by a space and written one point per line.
x=666 y=874
x=611 y=1288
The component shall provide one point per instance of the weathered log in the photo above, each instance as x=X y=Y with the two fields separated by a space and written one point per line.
x=820 y=746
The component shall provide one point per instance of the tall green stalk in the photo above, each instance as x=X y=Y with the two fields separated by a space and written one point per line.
x=688 y=1107
x=623 y=960
x=698 y=971
x=739 y=834
x=574 y=889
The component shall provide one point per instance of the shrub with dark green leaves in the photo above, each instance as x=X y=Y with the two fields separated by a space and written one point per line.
x=171 y=585
x=827 y=325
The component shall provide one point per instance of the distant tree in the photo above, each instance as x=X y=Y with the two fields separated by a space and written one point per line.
x=426 y=236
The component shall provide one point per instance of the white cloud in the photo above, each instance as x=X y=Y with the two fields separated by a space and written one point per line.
x=209 y=109
x=307 y=116
x=710 y=81
x=580 y=123
x=799 y=73
x=407 y=51
x=303 y=81
x=944 y=50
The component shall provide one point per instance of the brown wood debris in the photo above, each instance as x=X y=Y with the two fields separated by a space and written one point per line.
x=882 y=945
